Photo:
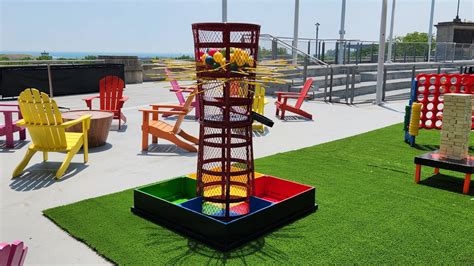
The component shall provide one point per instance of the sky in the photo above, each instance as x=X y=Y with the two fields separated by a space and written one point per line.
x=164 y=26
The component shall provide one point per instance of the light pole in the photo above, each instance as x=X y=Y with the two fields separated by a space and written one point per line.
x=317 y=33
x=380 y=65
x=457 y=19
x=430 y=29
x=295 y=31
x=224 y=10
x=342 y=31
x=390 y=38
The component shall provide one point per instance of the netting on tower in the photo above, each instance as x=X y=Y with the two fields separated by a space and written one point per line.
x=225 y=61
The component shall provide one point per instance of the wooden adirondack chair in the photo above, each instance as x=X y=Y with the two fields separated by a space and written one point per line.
x=282 y=101
x=258 y=106
x=13 y=254
x=43 y=120
x=10 y=126
x=160 y=129
x=179 y=91
x=111 y=98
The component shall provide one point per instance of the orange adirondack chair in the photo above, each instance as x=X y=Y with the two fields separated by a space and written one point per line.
x=282 y=104
x=111 y=98
x=161 y=129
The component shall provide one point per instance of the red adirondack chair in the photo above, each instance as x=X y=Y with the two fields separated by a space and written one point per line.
x=111 y=98
x=282 y=101
x=10 y=126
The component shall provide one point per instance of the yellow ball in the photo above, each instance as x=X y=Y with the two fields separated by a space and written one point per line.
x=217 y=56
x=237 y=51
x=250 y=61
x=203 y=58
x=240 y=60
x=232 y=58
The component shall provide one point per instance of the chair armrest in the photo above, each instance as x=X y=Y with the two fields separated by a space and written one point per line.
x=170 y=106
x=286 y=92
x=91 y=98
x=147 y=111
x=189 y=89
x=85 y=118
x=89 y=101
x=124 y=99
x=9 y=104
x=294 y=96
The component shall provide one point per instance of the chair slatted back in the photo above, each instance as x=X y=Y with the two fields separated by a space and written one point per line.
x=258 y=99
x=111 y=90
x=186 y=106
x=43 y=119
x=303 y=93
x=180 y=96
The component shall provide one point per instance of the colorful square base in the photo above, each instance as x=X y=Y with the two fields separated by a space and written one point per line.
x=173 y=203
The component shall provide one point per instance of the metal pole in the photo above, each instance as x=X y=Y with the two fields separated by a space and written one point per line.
x=317 y=35
x=305 y=68
x=323 y=48
x=295 y=31
x=346 y=92
x=380 y=66
x=342 y=31
x=330 y=84
x=224 y=10
x=353 y=84
x=390 y=38
x=384 y=82
x=430 y=29
x=50 y=82
x=274 y=49
x=325 y=84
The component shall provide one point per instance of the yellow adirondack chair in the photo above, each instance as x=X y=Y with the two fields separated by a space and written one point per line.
x=258 y=106
x=43 y=120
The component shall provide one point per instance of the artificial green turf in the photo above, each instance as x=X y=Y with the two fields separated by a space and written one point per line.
x=370 y=211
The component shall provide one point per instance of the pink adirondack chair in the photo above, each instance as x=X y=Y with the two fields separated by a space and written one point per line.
x=282 y=101
x=179 y=91
x=10 y=126
x=13 y=254
x=111 y=98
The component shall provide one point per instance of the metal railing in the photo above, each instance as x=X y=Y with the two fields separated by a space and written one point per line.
x=351 y=88
x=359 y=51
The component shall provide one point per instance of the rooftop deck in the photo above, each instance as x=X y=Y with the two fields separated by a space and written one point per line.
x=121 y=164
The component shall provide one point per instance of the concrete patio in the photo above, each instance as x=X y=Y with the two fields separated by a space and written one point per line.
x=121 y=164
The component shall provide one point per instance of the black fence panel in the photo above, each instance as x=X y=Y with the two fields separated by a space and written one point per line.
x=66 y=79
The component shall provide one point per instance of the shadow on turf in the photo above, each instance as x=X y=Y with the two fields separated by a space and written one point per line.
x=448 y=183
x=42 y=175
x=260 y=247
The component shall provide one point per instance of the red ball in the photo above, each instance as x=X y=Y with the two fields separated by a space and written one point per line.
x=201 y=53
x=212 y=51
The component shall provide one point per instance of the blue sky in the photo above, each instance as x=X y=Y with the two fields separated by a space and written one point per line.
x=164 y=26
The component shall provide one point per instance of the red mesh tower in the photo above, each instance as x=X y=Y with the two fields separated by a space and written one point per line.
x=430 y=91
x=225 y=170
